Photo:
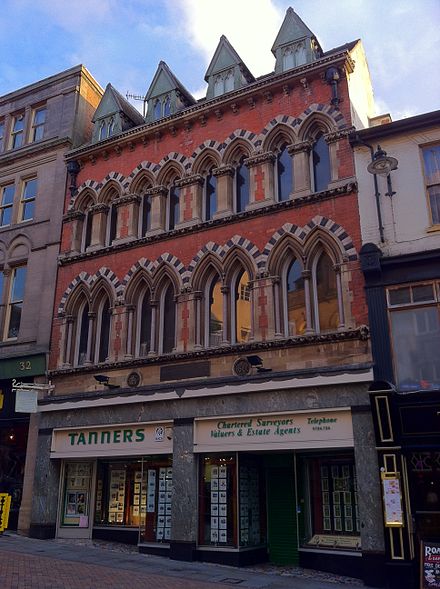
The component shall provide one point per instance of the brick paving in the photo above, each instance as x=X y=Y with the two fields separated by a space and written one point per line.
x=26 y=571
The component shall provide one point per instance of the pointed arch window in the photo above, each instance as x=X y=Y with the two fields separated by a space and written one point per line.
x=103 y=329
x=145 y=316
x=210 y=195
x=157 y=109
x=146 y=214
x=82 y=334
x=284 y=173
x=326 y=309
x=288 y=58
x=242 y=185
x=87 y=232
x=320 y=163
x=241 y=308
x=167 y=106
x=168 y=320
x=173 y=206
x=295 y=322
x=214 y=312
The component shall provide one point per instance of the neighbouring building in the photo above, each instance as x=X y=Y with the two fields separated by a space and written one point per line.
x=38 y=125
x=400 y=220
x=210 y=354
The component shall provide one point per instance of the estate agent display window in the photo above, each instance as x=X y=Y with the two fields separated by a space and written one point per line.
x=136 y=494
x=77 y=491
x=330 y=498
x=230 y=503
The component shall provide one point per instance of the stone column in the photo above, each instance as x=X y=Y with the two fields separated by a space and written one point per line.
x=279 y=331
x=99 y=225
x=24 y=517
x=261 y=177
x=153 y=336
x=263 y=324
x=225 y=191
x=158 y=209
x=74 y=220
x=225 y=290
x=66 y=341
x=341 y=324
x=190 y=202
x=127 y=217
x=307 y=275
x=198 y=323
x=129 y=348
x=90 y=354
x=301 y=167
x=184 y=519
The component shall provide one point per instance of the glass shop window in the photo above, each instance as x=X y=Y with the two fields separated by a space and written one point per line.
x=332 y=496
x=136 y=494
x=77 y=486
x=232 y=511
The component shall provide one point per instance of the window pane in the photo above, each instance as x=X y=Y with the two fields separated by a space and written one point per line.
x=8 y=194
x=28 y=210
x=218 y=86
x=288 y=59
x=431 y=158
x=83 y=335
x=167 y=107
x=157 y=110
x=145 y=335
x=146 y=214
x=321 y=164
x=296 y=309
x=327 y=294
x=434 y=200
x=18 y=281
x=88 y=236
x=242 y=187
x=416 y=342
x=210 y=196
x=215 y=314
x=113 y=223
x=102 y=131
x=229 y=82
x=169 y=321
x=19 y=123
x=218 y=503
x=242 y=309
x=424 y=292
x=104 y=336
x=400 y=296
x=5 y=216
x=14 y=320
x=285 y=176
x=174 y=206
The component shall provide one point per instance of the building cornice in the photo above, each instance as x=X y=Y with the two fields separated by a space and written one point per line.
x=430 y=119
x=361 y=333
x=203 y=108
x=33 y=149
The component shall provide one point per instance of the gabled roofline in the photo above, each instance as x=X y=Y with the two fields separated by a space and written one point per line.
x=429 y=119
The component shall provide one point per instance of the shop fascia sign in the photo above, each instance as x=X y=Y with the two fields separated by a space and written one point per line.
x=113 y=440
x=302 y=429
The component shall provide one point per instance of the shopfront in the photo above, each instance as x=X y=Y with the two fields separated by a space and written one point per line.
x=116 y=482
x=278 y=485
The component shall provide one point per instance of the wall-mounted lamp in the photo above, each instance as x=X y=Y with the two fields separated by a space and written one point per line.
x=382 y=165
x=105 y=380
x=73 y=169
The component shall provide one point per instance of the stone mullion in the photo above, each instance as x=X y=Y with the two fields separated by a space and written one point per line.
x=67 y=343
x=306 y=274
x=127 y=217
x=190 y=202
x=129 y=347
x=225 y=290
x=225 y=191
x=158 y=209
x=99 y=225
x=153 y=338
x=89 y=359
x=301 y=167
x=276 y=295
x=198 y=321
x=341 y=324
x=261 y=180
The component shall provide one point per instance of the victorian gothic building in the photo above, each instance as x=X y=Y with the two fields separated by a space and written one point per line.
x=210 y=354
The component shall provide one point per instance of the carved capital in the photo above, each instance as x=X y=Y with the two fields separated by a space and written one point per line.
x=73 y=216
x=306 y=274
x=223 y=171
x=336 y=135
x=188 y=180
x=100 y=207
x=260 y=158
x=157 y=190
x=126 y=199
x=299 y=147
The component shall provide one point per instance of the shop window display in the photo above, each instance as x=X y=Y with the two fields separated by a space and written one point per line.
x=136 y=494
x=77 y=487
x=333 y=502
x=230 y=510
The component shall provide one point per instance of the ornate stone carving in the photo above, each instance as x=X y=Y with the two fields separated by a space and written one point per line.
x=260 y=158
x=126 y=199
x=223 y=171
x=189 y=180
x=100 y=207
x=299 y=147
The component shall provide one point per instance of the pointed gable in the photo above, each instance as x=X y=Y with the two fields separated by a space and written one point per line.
x=166 y=94
x=227 y=71
x=295 y=44
x=114 y=115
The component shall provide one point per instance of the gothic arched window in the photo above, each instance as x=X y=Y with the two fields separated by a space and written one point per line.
x=168 y=320
x=284 y=173
x=242 y=186
x=320 y=163
x=295 y=303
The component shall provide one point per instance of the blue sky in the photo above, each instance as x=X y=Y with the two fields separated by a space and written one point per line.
x=122 y=41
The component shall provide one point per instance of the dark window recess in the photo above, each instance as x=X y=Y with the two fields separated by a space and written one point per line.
x=284 y=173
x=321 y=164
x=416 y=420
x=211 y=196
x=174 y=206
x=182 y=371
x=169 y=321
x=105 y=332
x=83 y=335
x=242 y=179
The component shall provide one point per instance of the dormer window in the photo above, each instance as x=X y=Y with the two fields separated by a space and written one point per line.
x=162 y=107
x=294 y=56
x=106 y=129
x=224 y=82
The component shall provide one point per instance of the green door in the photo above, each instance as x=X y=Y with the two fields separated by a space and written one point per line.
x=281 y=515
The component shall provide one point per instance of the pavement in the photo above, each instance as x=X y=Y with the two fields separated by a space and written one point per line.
x=27 y=563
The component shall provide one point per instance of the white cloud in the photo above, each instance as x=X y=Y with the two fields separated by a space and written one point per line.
x=250 y=26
